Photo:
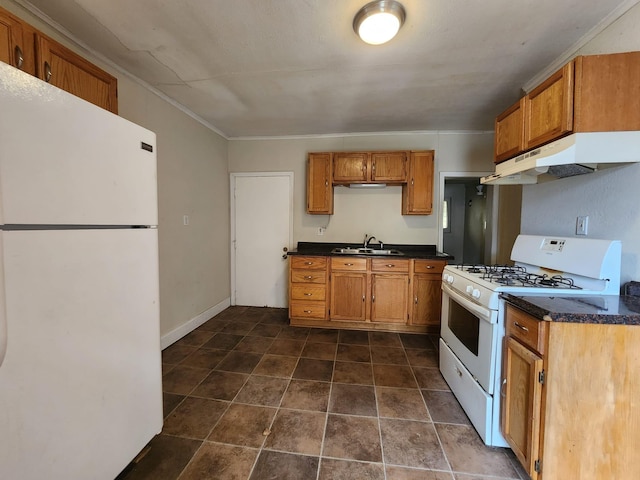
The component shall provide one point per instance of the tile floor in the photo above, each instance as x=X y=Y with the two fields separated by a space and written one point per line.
x=246 y=396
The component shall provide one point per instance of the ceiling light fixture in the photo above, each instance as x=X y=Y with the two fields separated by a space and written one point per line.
x=378 y=22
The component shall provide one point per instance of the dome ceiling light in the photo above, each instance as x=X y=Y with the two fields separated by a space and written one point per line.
x=378 y=22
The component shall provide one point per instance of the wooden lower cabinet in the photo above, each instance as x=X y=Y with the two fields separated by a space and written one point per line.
x=426 y=299
x=390 y=293
x=570 y=390
x=308 y=277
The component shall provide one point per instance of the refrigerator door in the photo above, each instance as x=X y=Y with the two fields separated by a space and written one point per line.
x=80 y=386
x=64 y=161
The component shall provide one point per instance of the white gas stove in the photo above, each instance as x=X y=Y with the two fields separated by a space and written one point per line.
x=472 y=326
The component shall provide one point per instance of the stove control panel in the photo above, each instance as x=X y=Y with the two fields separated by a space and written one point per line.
x=552 y=245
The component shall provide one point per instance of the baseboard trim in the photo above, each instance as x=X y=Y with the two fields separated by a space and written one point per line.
x=177 y=333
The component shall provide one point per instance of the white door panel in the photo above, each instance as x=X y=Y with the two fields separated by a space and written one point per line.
x=80 y=386
x=262 y=221
x=66 y=161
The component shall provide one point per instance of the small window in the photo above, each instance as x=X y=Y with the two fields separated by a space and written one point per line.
x=446 y=215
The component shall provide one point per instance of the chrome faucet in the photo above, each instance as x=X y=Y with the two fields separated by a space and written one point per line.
x=367 y=241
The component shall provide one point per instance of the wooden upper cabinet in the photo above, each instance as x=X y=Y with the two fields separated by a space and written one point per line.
x=417 y=193
x=595 y=93
x=319 y=186
x=350 y=167
x=389 y=167
x=63 y=68
x=549 y=109
x=607 y=92
x=509 y=137
x=16 y=43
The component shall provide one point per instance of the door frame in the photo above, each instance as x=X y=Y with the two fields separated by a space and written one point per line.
x=232 y=203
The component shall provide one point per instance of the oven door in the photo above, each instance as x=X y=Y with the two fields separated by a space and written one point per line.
x=471 y=332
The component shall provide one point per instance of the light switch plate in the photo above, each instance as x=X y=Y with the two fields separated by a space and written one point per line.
x=582 y=225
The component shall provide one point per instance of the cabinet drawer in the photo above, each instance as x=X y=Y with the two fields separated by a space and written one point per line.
x=308 y=276
x=307 y=309
x=308 y=292
x=312 y=263
x=428 y=266
x=529 y=330
x=389 y=265
x=349 y=264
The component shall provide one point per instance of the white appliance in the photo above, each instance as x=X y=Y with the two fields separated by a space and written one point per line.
x=80 y=364
x=572 y=155
x=472 y=326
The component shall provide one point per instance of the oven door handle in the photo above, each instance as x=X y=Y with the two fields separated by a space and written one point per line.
x=473 y=307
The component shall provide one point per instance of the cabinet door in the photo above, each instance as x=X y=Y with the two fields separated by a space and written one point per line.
x=389 y=294
x=390 y=167
x=417 y=193
x=509 y=132
x=350 y=167
x=426 y=301
x=521 y=406
x=319 y=186
x=348 y=296
x=65 y=69
x=15 y=47
x=549 y=109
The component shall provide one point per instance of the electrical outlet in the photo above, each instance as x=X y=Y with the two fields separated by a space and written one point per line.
x=320 y=231
x=582 y=225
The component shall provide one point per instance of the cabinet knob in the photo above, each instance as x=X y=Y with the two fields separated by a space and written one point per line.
x=308 y=294
x=373 y=298
x=390 y=265
x=307 y=311
x=429 y=267
x=308 y=277
x=348 y=264
x=308 y=263
x=363 y=298
x=416 y=301
x=19 y=58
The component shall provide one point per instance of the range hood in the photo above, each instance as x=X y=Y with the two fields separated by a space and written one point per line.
x=572 y=155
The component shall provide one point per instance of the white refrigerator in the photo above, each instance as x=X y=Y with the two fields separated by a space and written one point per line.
x=80 y=365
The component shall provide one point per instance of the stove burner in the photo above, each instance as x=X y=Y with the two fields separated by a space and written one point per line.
x=474 y=270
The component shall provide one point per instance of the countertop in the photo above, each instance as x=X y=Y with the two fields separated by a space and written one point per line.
x=410 y=251
x=603 y=309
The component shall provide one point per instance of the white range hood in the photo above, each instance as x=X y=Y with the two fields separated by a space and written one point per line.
x=572 y=155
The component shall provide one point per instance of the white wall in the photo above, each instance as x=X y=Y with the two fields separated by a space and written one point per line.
x=610 y=197
x=192 y=180
x=356 y=212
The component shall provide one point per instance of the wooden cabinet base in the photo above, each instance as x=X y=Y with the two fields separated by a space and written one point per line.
x=366 y=326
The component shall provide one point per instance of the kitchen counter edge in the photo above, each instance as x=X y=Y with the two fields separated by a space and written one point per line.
x=428 y=252
x=603 y=309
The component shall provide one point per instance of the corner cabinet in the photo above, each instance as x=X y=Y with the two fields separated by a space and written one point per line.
x=595 y=93
x=25 y=48
x=319 y=186
x=417 y=193
x=569 y=398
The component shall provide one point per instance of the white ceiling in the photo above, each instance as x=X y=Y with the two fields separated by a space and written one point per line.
x=295 y=67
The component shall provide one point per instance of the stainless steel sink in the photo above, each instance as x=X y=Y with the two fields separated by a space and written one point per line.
x=365 y=251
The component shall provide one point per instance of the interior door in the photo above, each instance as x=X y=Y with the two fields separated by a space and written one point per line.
x=262 y=216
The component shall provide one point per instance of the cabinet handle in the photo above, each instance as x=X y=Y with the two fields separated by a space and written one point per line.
x=373 y=167
x=307 y=311
x=308 y=263
x=429 y=267
x=47 y=72
x=326 y=183
x=373 y=298
x=390 y=265
x=363 y=298
x=19 y=57
x=521 y=327
x=308 y=277
x=348 y=264
x=502 y=387
x=308 y=294
x=416 y=300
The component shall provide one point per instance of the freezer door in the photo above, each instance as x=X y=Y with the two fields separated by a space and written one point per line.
x=66 y=161
x=80 y=386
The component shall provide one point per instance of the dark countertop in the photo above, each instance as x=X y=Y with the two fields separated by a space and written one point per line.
x=604 y=309
x=428 y=252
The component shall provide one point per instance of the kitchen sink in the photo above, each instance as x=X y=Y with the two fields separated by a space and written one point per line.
x=365 y=251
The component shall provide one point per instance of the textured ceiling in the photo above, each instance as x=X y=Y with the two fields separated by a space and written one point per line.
x=295 y=67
